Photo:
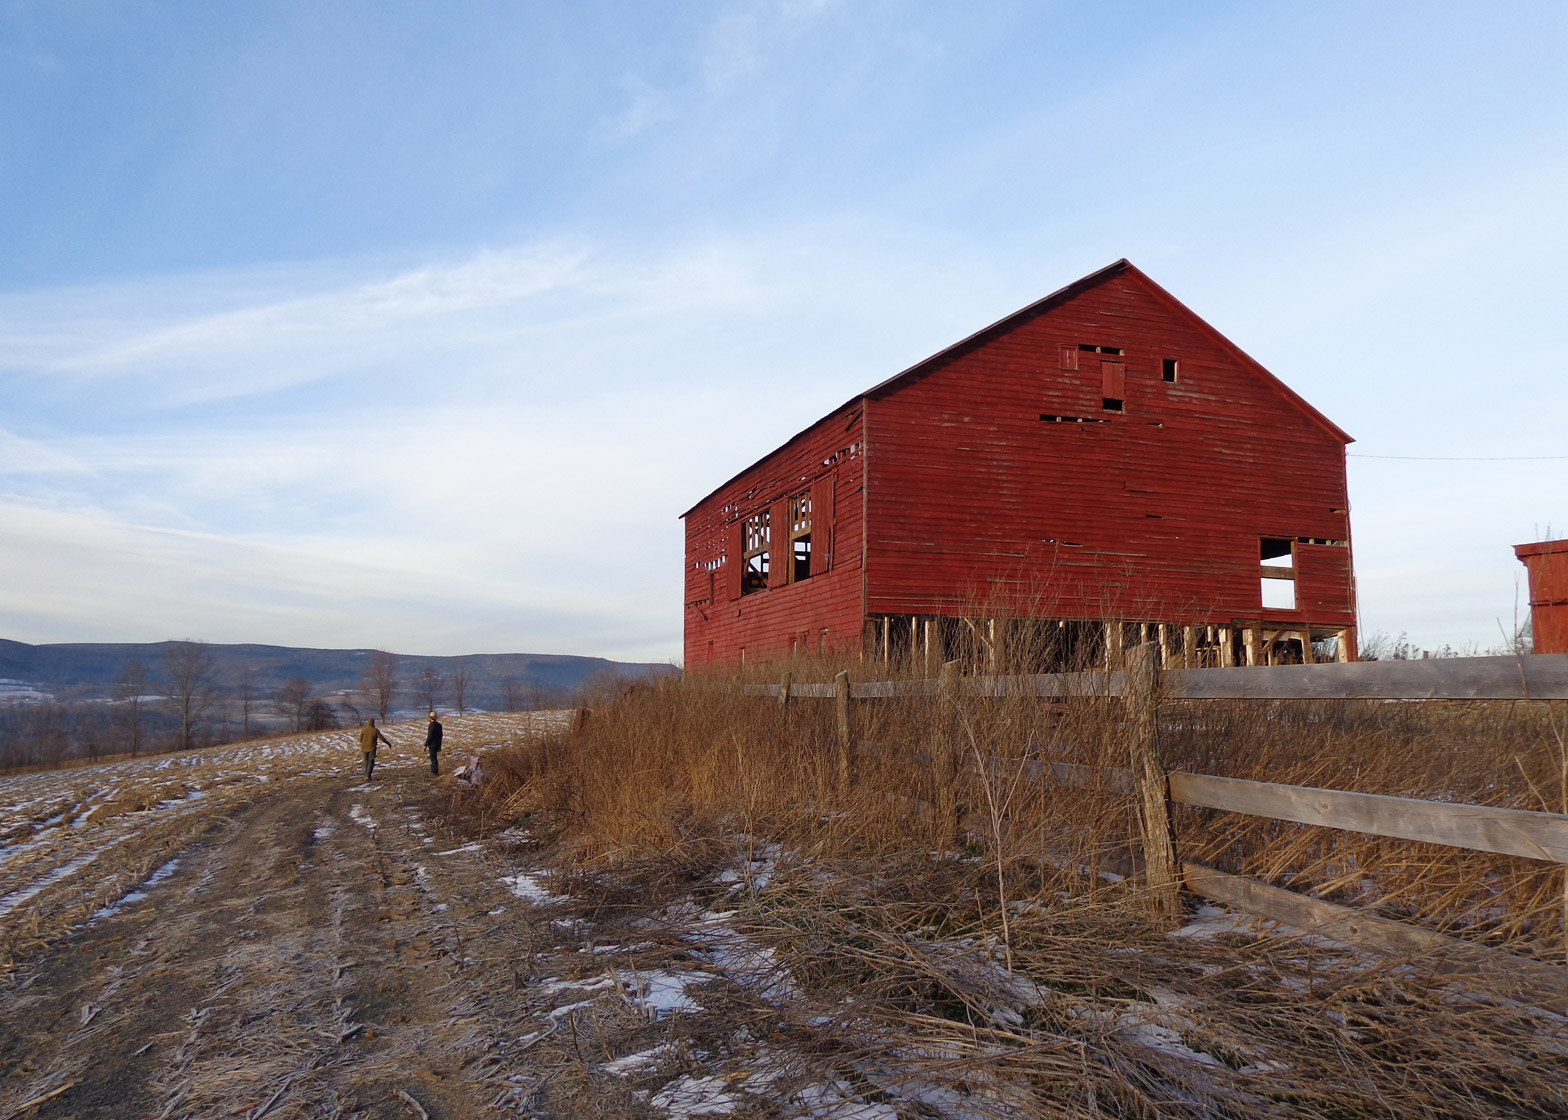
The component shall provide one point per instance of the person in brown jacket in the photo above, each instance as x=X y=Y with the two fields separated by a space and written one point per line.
x=367 y=744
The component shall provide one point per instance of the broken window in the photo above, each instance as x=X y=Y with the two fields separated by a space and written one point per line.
x=1113 y=385
x=755 y=538
x=1170 y=369
x=1278 y=570
x=800 y=536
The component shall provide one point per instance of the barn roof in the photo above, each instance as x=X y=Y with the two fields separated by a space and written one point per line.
x=1018 y=318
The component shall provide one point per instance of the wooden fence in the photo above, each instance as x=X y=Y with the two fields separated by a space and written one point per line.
x=1141 y=686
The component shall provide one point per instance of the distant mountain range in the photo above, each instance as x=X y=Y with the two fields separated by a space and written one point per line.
x=89 y=670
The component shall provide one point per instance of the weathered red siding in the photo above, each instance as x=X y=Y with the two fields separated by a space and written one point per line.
x=1547 y=565
x=819 y=614
x=1153 y=512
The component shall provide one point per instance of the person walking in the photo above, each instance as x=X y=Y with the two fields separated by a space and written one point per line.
x=433 y=744
x=367 y=744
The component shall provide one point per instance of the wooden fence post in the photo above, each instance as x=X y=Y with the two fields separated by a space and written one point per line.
x=1159 y=847
x=846 y=731
x=945 y=755
x=784 y=691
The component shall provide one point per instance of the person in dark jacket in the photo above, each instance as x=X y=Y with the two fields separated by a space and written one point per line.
x=368 y=735
x=433 y=744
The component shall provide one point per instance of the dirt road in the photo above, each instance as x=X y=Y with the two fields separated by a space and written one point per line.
x=305 y=946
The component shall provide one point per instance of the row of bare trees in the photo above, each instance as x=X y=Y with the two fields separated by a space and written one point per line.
x=177 y=702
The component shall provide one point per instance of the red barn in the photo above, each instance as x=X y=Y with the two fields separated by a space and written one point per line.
x=1099 y=468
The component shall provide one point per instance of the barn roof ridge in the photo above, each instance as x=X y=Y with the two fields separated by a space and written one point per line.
x=1008 y=323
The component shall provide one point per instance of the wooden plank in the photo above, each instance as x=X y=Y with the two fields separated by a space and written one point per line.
x=874 y=690
x=1098 y=683
x=1539 y=676
x=1513 y=832
x=846 y=731
x=1532 y=982
x=1159 y=843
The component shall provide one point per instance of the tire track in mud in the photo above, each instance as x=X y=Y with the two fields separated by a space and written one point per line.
x=311 y=956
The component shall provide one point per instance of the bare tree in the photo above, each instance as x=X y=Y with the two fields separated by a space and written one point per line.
x=129 y=690
x=51 y=738
x=188 y=666
x=293 y=700
x=460 y=686
x=319 y=716
x=245 y=688
x=94 y=731
x=513 y=695
x=380 y=681
x=429 y=686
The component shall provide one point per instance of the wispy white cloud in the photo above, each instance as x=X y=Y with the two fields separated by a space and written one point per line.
x=508 y=439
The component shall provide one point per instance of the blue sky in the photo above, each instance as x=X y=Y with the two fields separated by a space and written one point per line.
x=417 y=325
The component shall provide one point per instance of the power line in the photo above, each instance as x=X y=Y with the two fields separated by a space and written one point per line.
x=1459 y=458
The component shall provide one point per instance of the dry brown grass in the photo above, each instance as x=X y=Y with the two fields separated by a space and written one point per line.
x=908 y=957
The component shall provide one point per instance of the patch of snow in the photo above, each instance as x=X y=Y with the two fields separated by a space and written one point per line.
x=562 y=1012
x=636 y=947
x=741 y=959
x=838 y=1102
x=622 y=1066
x=474 y=847
x=358 y=814
x=1212 y=921
x=696 y=1096
x=524 y=885
x=140 y=892
x=26 y=894
x=660 y=993
x=550 y=987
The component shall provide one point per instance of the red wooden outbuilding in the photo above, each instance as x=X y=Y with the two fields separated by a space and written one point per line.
x=1547 y=565
x=1099 y=468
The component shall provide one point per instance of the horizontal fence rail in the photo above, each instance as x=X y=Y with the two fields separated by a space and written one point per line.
x=1510 y=832
x=1534 y=676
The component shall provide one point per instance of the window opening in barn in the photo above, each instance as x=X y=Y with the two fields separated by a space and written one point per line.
x=1069 y=357
x=1170 y=370
x=1113 y=386
x=1278 y=571
x=800 y=536
x=754 y=554
x=1086 y=348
